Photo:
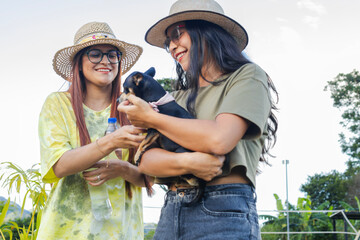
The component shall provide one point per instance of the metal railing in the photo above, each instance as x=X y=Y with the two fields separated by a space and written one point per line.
x=354 y=232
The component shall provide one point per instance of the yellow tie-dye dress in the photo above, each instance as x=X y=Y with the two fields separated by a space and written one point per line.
x=67 y=214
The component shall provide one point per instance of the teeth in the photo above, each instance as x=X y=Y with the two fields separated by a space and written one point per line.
x=103 y=70
x=179 y=56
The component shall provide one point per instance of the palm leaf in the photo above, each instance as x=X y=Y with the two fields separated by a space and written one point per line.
x=16 y=226
x=278 y=202
x=8 y=231
x=267 y=217
x=23 y=204
x=346 y=206
x=358 y=202
x=4 y=211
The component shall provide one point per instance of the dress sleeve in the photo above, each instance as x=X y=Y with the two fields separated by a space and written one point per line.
x=54 y=140
x=247 y=96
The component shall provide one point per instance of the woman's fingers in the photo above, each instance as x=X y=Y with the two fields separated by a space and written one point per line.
x=91 y=173
x=96 y=180
x=131 y=104
x=104 y=171
x=133 y=130
x=125 y=107
x=218 y=170
x=207 y=166
x=97 y=176
x=96 y=183
x=128 y=136
x=135 y=100
x=137 y=110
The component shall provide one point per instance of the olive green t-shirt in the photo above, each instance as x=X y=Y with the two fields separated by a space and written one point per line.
x=243 y=93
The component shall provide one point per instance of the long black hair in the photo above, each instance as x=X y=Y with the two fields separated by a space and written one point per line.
x=221 y=50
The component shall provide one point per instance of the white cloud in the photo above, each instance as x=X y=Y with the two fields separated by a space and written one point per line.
x=312 y=21
x=312 y=6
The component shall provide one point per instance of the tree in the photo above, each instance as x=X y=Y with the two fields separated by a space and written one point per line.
x=331 y=187
x=353 y=190
x=167 y=84
x=345 y=91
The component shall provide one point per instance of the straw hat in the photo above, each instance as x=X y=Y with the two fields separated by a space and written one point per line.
x=90 y=34
x=208 y=10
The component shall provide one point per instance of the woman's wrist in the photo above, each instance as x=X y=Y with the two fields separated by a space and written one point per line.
x=106 y=144
x=185 y=162
x=152 y=119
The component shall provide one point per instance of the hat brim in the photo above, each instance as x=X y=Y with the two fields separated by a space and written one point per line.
x=156 y=34
x=62 y=61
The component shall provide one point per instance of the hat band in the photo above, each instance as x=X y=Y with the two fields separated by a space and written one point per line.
x=95 y=36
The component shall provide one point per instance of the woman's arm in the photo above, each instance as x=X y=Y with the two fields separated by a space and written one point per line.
x=217 y=137
x=161 y=163
x=82 y=158
x=114 y=168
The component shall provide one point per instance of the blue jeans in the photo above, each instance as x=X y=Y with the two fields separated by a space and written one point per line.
x=226 y=211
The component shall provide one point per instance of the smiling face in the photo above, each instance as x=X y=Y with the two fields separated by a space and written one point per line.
x=100 y=74
x=179 y=44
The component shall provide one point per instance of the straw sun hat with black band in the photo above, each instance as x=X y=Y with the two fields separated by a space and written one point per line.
x=208 y=10
x=90 y=34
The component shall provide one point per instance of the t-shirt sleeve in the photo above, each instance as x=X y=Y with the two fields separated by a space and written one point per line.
x=54 y=140
x=247 y=96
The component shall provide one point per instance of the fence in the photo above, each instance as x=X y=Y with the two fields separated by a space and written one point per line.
x=340 y=214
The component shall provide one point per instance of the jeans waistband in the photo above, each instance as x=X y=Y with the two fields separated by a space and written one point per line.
x=187 y=194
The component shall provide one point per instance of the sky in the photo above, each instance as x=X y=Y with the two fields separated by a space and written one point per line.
x=301 y=44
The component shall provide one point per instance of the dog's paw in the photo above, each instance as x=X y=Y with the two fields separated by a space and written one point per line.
x=138 y=156
x=191 y=180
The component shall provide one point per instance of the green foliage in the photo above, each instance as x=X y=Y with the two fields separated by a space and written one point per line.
x=149 y=235
x=304 y=221
x=345 y=92
x=14 y=178
x=17 y=227
x=149 y=230
x=331 y=187
x=4 y=208
x=167 y=84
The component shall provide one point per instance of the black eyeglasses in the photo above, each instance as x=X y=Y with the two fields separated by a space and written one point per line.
x=174 y=37
x=96 y=56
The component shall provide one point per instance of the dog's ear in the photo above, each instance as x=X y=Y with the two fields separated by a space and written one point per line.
x=151 y=72
x=137 y=78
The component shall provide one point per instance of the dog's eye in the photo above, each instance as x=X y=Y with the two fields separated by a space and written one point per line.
x=137 y=78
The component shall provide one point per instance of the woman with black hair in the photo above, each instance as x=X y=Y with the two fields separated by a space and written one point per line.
x=230 y=98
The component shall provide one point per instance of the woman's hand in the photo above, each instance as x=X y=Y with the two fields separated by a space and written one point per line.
x=127 y=136
x=205 y=166
x=138 y=111
x=103 y=172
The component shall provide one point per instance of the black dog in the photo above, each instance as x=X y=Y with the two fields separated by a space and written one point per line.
x=144 y=86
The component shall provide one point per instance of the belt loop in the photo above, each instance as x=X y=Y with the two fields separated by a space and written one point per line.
x=254 y=193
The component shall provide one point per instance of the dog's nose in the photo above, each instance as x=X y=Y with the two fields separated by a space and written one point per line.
x=121 y=98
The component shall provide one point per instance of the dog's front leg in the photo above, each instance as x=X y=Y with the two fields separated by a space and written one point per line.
x=150 y=138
